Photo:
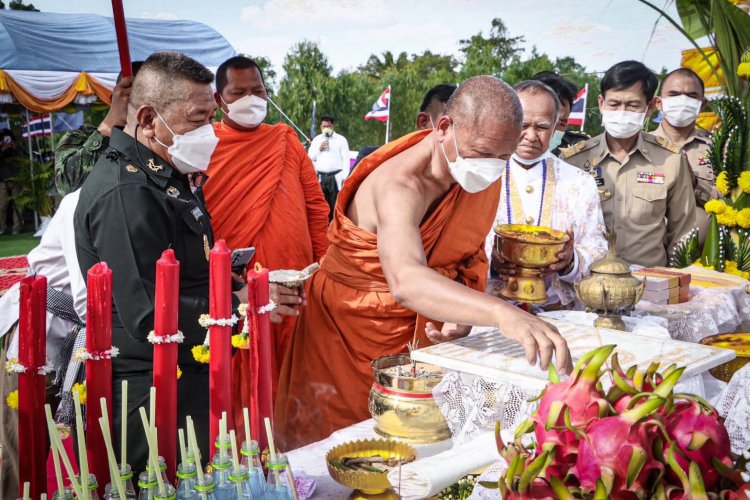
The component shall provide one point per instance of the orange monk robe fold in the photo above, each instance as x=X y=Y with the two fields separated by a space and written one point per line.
x=262 y=191
x=351 y=317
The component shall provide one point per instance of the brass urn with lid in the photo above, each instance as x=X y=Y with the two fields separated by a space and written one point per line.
x=610 y=290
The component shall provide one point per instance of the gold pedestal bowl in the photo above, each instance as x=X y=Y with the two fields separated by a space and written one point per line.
x=530 y=248
x=402 y=405
x=738 y=342
x=367 y=484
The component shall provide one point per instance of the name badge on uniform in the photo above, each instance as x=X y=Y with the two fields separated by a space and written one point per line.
x=650 y=177
x=197 y=214
x=596 y=173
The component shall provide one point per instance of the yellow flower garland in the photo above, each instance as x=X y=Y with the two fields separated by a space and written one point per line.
x=743 y=218
x=240 y=341
x=179 y=372
x=731 y=268
x=722 y=183
x=727 y=218
x=81 y=390
x=201 y=353
x=12 y=400
x=715 y=207
x=743 y=181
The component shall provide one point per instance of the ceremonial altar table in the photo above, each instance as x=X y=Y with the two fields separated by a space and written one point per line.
x=311 y=459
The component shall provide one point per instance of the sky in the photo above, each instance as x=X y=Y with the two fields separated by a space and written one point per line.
x=598 y=33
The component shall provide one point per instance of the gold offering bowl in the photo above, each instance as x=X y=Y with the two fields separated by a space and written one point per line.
x=403 y=406
x=738 y=342
x=367 y=484
x=530 y=248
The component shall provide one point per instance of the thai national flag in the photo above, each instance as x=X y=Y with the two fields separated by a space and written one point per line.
x=41 y=125
x=578 y=110
x=381 y=108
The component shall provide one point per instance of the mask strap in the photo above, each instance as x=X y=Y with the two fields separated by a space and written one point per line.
x=165 y=124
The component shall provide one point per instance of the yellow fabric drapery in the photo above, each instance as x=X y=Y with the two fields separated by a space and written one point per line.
x=693 y=59
x=85 y=84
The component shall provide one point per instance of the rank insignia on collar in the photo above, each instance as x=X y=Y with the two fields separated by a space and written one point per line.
x=650 y=177
x=596 y=173
x=153 y=166
x=206 y=247
x=132 y=169
x=173 y=191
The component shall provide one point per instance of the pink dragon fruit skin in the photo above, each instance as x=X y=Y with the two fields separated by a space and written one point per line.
x=693 y=423
x=577 y=396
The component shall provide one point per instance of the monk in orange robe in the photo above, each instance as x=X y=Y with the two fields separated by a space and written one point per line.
x=406 y=245
x=262 y=191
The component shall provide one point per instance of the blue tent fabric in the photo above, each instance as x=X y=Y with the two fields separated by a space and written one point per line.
x=44 y=41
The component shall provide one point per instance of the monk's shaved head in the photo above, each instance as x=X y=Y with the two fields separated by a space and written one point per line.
x=482 y=98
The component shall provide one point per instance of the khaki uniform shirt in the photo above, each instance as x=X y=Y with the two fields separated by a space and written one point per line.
x=696 y=153
x=648 y=200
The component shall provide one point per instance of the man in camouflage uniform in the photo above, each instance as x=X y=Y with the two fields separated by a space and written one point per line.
x=645 y=185
x=680 y=100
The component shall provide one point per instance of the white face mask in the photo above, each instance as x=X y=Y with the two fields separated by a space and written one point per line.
x=556 y=140
x=680 y=110
x=524 y=161
x=191 y=152
x=248 y=111
x=473 y=174
x=622 y=124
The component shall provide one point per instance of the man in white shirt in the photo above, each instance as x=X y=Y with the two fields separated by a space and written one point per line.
x=329 y=153
x=542 y=190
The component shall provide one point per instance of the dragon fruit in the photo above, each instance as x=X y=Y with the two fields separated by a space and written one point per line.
x=568 y=405
x=619 y=451
x=700 y=437
x=628 y=384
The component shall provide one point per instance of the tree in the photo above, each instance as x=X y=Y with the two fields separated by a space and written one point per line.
x=307 y=78
x=489 y=56
x=19 y=5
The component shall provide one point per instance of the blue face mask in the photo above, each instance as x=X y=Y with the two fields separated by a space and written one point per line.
x=557 y=137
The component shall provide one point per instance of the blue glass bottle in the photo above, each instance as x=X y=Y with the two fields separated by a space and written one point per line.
x=277 y=487
x=221 y=466
x=186 y=481
x=251 y=459
x=241 y=486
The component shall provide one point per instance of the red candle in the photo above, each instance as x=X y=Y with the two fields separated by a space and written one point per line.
x=121 y=31
x=262 y=345
x=32 y=354
x=99 y=366
x=165 y=356
x=220 y=339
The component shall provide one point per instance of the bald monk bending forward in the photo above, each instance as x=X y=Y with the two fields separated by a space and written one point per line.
x=406 y=244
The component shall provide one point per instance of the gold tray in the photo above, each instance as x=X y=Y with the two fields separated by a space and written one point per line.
x=367 y=484
x=738 y=342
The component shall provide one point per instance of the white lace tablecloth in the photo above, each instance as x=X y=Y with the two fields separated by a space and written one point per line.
x=734 y=405
x=708 y=312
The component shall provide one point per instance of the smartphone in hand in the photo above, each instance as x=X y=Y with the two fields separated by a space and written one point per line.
x=240 y=259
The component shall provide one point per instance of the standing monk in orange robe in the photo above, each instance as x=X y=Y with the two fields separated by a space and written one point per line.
x=406 y=245
x=262 y=191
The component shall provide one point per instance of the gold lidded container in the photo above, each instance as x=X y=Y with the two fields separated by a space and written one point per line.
x=530 y=248
x=367 y=484
x=610 y=290
x=402 y=405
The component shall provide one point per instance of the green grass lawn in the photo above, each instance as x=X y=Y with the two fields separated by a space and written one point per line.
x=18 y=244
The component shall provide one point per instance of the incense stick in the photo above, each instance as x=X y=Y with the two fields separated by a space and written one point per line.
x=246 y=418
x=183 y=450
x=116 y=480
x=236 y=465
x=56 y=461
x=84 y=474
x=153 y=452
x=152 y=408
x=124 y=426
x=55 y=437
x=196 y=454
x=222 y=436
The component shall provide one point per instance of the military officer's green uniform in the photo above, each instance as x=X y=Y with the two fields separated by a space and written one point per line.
x=695 y=150
x=132 y=207
x=647 y=201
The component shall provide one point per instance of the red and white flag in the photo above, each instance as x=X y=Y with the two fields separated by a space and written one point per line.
x=381 y=108
x=578 y=110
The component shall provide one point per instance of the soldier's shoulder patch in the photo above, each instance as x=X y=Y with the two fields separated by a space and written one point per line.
x=663 y=142
x=578 y=147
